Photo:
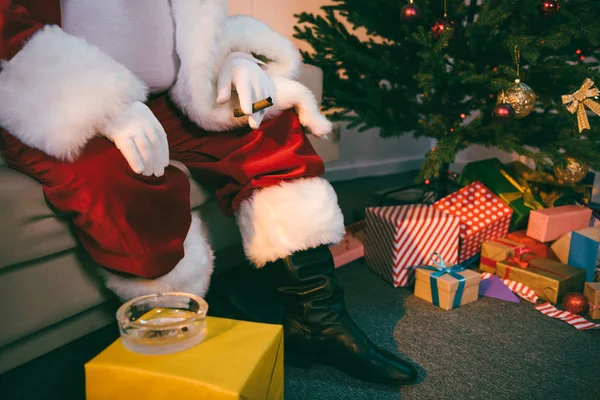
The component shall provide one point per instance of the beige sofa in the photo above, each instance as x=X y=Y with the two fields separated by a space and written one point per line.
x=49 y=291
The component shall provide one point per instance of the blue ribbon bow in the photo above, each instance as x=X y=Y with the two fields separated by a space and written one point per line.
x=441 y=270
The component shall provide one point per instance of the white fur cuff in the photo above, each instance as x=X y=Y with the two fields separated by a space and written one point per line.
x=59 y=90
x=249 y=35
x=280 y=220
x=191 y=275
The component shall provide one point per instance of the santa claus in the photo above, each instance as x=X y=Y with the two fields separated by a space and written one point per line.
x=97 y=96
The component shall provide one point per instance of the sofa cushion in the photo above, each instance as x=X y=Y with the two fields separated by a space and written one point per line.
x=30 y=229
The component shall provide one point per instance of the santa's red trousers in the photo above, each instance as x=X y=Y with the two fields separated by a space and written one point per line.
x=136 y=224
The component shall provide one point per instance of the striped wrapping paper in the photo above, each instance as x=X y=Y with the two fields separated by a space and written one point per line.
x=576 y=321
x=399 y=238
x=518 y=288
x=483 y=216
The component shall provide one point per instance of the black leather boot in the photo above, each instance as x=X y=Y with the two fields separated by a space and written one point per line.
x=317 y=326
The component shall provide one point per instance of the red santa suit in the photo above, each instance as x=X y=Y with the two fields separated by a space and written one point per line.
x=60 y=86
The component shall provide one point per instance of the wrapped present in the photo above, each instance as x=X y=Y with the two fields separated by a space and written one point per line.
x=446 y=287
x=236 y=360
x=483 y=216
x=545 y=188
x=580 y=249
x=496 y=250
x=550 y=280
x=535 y=246
x=399 y=238
x=351 y=248
x=592 y=294
x=550 y=224
x=494 y=176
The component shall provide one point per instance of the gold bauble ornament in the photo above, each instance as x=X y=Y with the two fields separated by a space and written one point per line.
x=574 y=171
x=520 y=96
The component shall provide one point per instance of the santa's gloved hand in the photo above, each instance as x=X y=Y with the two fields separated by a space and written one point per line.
x=141 y=139
x=251 y=83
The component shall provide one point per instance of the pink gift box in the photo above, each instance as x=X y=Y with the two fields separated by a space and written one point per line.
x=550 y=224
x=351 y=248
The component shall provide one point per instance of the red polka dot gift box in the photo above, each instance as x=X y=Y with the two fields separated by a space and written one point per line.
x=483 y=216
x=399 y=238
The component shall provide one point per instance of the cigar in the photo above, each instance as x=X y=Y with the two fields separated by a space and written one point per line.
x=259 y=105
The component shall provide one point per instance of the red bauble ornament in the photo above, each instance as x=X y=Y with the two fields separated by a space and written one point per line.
x=575 y=303
x=504 y=113
x=549 y=8
x=441 y=26
x=411 y=13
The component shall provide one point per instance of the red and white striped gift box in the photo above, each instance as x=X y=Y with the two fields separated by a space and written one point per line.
x=483 y=216
x=401 y=237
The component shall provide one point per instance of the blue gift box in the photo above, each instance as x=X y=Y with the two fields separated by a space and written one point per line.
x=581 y=249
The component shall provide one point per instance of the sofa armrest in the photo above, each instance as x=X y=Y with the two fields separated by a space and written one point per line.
x=328 y=149
x=312 y=77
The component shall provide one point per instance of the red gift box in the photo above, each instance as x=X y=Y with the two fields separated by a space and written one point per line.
x=399 y=238
x=483 y=216
x=536 y=247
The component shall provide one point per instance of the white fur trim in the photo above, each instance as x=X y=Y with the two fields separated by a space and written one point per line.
x=249 y=35
x=191 y=275
x=59 y=90
x=280 y=220
x=292 y=94
x=205 y=37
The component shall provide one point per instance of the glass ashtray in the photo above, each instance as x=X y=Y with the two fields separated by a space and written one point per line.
x=162 y=323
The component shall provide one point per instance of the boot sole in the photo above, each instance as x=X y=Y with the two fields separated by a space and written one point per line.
x=301 y=361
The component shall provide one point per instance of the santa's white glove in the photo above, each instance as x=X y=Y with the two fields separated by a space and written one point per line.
x=141 y=139
x=251 y=83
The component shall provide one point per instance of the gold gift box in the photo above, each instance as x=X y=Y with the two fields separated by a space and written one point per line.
x=447 y=286
x=592 y=294
x=493 y=251
x=236 y=360
x=550 y=280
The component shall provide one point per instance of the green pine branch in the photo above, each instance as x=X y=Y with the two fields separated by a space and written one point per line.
x=402 y=80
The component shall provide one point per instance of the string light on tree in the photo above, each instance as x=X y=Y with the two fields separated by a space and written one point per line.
x=411 y=12
x=549 y=8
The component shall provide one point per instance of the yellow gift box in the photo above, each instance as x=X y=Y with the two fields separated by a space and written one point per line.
x=236 y=360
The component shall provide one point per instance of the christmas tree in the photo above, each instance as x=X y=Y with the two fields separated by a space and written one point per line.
x=448 y=69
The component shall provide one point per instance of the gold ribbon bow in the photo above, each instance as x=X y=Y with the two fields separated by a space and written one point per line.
x=581 y=99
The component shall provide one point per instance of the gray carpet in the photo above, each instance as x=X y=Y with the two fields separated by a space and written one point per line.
x=489 y=349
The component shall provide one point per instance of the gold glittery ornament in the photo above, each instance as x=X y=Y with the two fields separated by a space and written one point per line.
x=520 y=96
x=573 y=172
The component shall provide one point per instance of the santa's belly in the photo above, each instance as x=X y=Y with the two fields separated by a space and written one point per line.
x=140 y=34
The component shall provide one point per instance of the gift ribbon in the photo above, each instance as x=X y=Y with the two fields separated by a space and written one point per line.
x=525 y=264
x=490 y=262
x=578 y=101
x=524 y=191
x=516 y=259
x=594 y=307
x=441 y=270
